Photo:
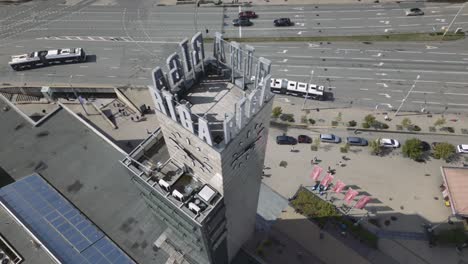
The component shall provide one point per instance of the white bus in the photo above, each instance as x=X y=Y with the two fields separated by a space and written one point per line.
x=47 y=57
x=301 y=89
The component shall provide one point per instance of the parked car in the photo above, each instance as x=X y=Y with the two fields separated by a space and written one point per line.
x=242 y=21
x=304 y=139
x=285 y=140
x=330 y=138
x=247 y=14
x=283 y=22
x=356 y=141
x=389 y=143
x=425 y=146
x=463 y=148
x=414 y=12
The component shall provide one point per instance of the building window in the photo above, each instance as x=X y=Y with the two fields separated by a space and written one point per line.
x=247 y=157
x=178 y=134
x=193 y=163
x=188 y=141
x=206 y=158
x=256 y=125
x=248 y=133
x=198 y=148
x=240 y=143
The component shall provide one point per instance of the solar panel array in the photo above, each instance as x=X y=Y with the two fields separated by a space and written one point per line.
x=68 y=234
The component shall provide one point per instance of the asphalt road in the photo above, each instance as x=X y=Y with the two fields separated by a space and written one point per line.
x=129 y=39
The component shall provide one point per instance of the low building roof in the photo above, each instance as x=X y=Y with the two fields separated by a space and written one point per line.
x=456 y=182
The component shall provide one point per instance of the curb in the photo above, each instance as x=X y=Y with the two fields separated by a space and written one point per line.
x=300 y=126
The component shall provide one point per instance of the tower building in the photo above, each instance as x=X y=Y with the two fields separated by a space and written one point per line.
x=214 y=116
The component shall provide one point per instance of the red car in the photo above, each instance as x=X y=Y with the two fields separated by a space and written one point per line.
x=304 y=139
x=248 y=14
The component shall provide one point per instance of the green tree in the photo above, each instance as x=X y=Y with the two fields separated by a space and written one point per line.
x=374 y=147
x=439 y=122
x=413 y=149
x=406 y=122
x=277 y=111
x=369 y=119
x=444 y=151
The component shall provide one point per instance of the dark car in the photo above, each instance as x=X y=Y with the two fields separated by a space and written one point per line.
x=356 y=141
x=414 y=12
x=283 y=22
x=247 y=14
x=243 y=21
x=304 y=139
x=425 y=146
x=285 y=140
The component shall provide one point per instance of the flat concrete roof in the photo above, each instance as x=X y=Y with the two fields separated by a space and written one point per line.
x=86 y=170
x=213 y=99
x=456 y=181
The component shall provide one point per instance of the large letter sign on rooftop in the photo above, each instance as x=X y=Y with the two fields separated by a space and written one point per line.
x=159 y=80
x=170 y=104
x=176 y=73
x=184 y=45
x=263 y=69
x=229 y=126
x=204 y=132
x=218 y=50
x=158 y=100
x=185 y=117
x=198 y=53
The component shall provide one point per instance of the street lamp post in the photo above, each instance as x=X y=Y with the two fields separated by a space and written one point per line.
x=308 y=86
x=195 y=15
x=453 y=20
x=406 y=97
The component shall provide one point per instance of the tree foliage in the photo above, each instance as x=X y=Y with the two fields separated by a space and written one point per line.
x=439 y=122
x=406 y=122
x=444 y=151
x=277 y=111
x=374 y=147
x=413 y=149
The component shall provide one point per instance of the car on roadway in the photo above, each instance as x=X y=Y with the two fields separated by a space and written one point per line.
x=330 y=138
x=304 y=139
x=463 y=148
x=242 y=21
x=389 y=143
x=356 y=141
x=283 y=22
x=248 y=14
x=285 y=140
x=414 y=12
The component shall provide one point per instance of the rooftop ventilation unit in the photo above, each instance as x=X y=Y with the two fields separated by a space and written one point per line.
x=164 y=185
x=194 y=208
x=178 y=195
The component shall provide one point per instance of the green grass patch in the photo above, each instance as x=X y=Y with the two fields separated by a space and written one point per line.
x=360 y=38
x=451 y=236
x=320 y=211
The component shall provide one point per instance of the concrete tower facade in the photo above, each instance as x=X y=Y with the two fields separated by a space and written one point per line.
x=214 y=117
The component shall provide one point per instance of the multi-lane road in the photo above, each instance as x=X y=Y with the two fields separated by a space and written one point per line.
x=130 y=38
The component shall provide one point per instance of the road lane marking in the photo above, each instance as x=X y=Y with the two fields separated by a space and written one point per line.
x=364 y=89
x=383 y=84
x=240 y=27
x=456 y=94
x=111 y=76
x=114 y=67
x=367 y=99
x=83 y=66
x=51 y=74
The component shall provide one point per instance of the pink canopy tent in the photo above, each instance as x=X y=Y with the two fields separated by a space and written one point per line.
x=363 y=202
x=327 y=179
x=350 y=194
x=339 y=186
x=316 y=172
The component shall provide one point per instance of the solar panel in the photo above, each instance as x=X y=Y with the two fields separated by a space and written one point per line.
x=68 y=234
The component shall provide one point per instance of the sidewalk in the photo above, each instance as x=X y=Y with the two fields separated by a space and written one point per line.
x=325 y=116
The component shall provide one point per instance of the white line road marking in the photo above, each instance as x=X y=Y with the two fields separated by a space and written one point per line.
x=83 y=66
x=133 y=59
x=457 y=94
x=380 y=73
x=107 y=49
x=422 y=102
x=364 y=89
x=104 y=58
x=423 y=92
x=285 y=60
x=283 y=52
x=284 y=70
x=367 y=99
x=396 y=91
x=388 y=29
x=114 y=67
x=431 y=47
x=19 y=46
x=457 y=104
x=410 y=25
x=379 y=64
x=383 y=84
x=299 y=33
x=405 y=51
x=377 y=55
x=78 y=75
x=386 y=95
x=359 y=78
x=142 y=78
x=50 y=74
x=443 y=53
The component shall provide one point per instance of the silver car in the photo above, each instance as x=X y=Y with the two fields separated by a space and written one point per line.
x=330 y=138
